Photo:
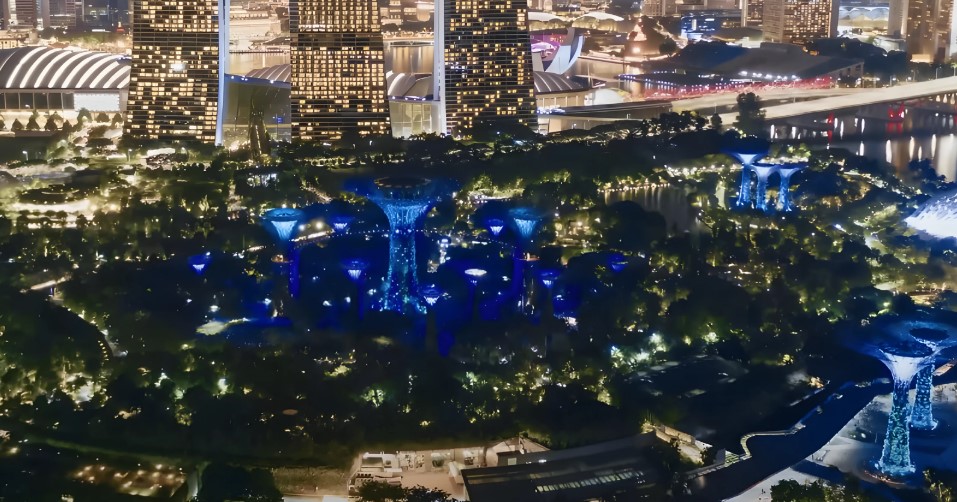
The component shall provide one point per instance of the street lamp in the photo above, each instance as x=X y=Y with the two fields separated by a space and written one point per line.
x=26 y=155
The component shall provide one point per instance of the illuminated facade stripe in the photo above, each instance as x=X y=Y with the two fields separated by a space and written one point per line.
x=55 y=63
x=46 y=68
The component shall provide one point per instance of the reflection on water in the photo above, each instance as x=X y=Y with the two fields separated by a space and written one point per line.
x=670 y=202
x=241 y=64
x=941 y=149
x=409 y=57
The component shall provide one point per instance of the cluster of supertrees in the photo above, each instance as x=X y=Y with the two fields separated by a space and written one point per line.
x=909 y=346
x=748 y=152
x=405 y=201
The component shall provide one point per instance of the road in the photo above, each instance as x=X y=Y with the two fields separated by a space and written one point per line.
x=864 y=97
x=725 y=101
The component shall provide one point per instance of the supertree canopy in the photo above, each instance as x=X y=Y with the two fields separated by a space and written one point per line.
x=746 y=151
x=404 y=200
x=526 y=222
x=904 y=359
x=784 y=189
x=199 y=262
x=936 y=329
x=763 y=171
x=283 y=222
x=495 y=226
x=937 y=218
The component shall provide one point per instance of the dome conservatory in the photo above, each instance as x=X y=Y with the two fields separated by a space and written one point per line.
x=938 y=217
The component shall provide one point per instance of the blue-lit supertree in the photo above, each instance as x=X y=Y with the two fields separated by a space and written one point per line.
x=938 y=337
x=747 y=151
x=617 y=262
x=787 y=170
x=495 y=226
x=904 y=359
x=341 y=222
x=356 y=269
x=763 y=172
x=526 y=221
x=474 y=276
x=199 y=262
x=284 y=223
x=404 y=200
x=431 y=294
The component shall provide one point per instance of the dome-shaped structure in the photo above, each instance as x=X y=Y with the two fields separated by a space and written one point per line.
x=937 y=218
x=46 y=68
x=276 y=73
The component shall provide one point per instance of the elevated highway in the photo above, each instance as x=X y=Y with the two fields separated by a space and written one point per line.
x=863 y=98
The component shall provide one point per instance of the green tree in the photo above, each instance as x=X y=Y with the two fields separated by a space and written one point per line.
x=750 y=114
x=17 y=126
x=374 y=491
x=716 y=122
x=84 y=115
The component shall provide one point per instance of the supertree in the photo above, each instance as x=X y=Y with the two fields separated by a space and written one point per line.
x=526 y=221
x=404 y=200
x=431 y=294
x=341 y=222
x=937 y=329
x=617 y=262
x=474 y=276
x=904 y=359
x=785 y=171
x=199 y=262
x=763 y=172
x=746 y=151
x=283 y=223
x=495 y=226
x=355 y=268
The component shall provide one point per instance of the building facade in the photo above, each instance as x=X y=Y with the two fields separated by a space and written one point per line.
x=798 y=21
x=930 y=30
x=177 y=69
x=752 y=13
x=488 y=63
x=338 y=70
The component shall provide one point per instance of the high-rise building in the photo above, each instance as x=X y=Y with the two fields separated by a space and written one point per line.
x=338 y=70
x=798 y=21
x=22 y=13
x=930 y=30
x=752 y=13
x=178 y=69
x=896 y=19
x=488 y=63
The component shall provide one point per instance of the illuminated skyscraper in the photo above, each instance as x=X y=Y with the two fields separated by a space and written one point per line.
x=338 y=70
x=752 y=12
x=930 y=30
x=488 y=62
x=178 y=69
x=798 y=21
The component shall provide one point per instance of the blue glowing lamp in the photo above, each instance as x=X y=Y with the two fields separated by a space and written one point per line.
x=355 y=268
x=431 y=294
x=548 y=277
x=340 y=223
x=199 y=262
x=495 y=225
x=284 y=222
x=474 y=275
x=617 y=262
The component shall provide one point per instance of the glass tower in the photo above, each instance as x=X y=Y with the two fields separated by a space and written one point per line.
x=177 y=71
x=488 y=63
x=338 y=70
x=798 y=21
